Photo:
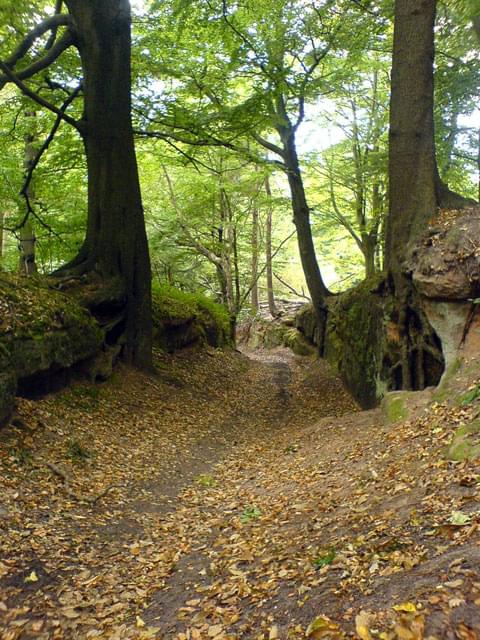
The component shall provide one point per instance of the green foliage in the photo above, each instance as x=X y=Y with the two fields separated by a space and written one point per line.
x=181 y=305
x=470 y=396
x=325 y=559
x=250 y=513
x=206 y=480
x=209 y=78
x=76 y=452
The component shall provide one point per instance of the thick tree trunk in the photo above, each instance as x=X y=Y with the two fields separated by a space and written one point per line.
x=254 y=293
x=301 y=217
x=369 y=245
x=268 y=250
x=412 y=167
x=416 y=189
x=116 y=244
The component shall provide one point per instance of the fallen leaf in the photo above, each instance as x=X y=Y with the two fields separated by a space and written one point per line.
x=362 y=625
x=322 y=627
x=407 y=607
x=32 y=577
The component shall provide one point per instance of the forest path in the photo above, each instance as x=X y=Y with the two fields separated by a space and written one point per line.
x=249 y=497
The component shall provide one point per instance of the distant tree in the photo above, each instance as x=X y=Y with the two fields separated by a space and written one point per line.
x=247 y=74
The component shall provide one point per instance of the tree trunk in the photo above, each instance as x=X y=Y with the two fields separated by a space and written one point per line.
x=301 y=217
x=2 y=220
x=413 y=199
x=26 y=262
x=268 y=249
x=226 y=245
x=254 y=293
x=116 y=244
x=369 y=246
x=416 y=189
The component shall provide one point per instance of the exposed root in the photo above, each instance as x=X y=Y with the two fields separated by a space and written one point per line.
x=92 y=500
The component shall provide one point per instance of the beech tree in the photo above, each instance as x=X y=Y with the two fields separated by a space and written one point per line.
x=257 y=83
x=416 y=189
x=115 y=247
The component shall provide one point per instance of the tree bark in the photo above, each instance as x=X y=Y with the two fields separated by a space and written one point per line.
x=115 y=245
x=268 y=250
x=416 y=189
x=2 y=220
x=254 y=292
x=301 y=217
x=27 y=263
x=412 y=167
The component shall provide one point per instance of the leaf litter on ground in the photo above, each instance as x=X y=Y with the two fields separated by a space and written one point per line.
x=217 y=527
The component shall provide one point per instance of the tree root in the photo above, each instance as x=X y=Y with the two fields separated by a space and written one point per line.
x=91 y=500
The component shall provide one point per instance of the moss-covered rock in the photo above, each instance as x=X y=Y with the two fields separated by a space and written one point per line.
x=8 y=385
x=355 y=337
x=306 y=323
x=372 y=343
x=263 y=333
x=41 y=331
x=181 y=319
x=297 y=342
x=465 y=444
x=394 y=407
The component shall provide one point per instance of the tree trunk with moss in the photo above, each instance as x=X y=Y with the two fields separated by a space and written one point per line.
x=115 y=245
x=254 y=292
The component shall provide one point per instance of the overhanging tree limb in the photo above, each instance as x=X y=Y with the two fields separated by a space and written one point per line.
x=49 y=24
x=53 y=35
x=42 y=63
x=48 y=140
x=38 y=99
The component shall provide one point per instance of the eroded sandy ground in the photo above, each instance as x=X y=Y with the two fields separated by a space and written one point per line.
x=229 y=497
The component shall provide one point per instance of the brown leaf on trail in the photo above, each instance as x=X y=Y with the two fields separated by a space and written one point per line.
x=410 y=626
x=174 y=552
x=362 y=625
x=322 y=628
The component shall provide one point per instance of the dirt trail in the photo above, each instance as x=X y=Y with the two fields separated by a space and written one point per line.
x=249 y=498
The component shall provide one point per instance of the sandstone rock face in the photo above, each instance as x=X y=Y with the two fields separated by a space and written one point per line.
x=368 y=345
x=42 y=332
x=449 y=319
x=446 y=263
x=445 y=270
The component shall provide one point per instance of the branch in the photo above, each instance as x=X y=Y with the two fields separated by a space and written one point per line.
x=51 y=23
x=290 y=288
x=49 y=58
x=38 y=99
x=48 y=140
x=53 y=35
x=92 y=500
x=269 y=145
x=263 y=269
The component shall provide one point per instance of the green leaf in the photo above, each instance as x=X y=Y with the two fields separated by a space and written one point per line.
x=459 y=519
x=325 y=559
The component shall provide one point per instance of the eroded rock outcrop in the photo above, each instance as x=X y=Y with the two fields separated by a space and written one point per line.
x=42 y=333
x=445 y=270
x=46 y=335
x=379 y=344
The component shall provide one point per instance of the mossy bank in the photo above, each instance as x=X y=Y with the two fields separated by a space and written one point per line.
x=46 y=335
